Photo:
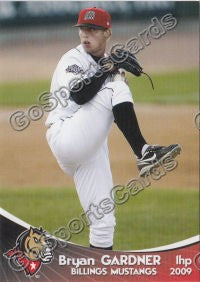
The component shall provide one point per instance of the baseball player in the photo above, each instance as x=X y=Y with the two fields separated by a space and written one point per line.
x=98 y=96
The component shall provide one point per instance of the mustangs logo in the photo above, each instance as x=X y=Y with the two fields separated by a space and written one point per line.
x=90 y=15
x=74 y=69
x=33 y=247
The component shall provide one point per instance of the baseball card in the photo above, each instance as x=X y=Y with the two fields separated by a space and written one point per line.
x=99 y=141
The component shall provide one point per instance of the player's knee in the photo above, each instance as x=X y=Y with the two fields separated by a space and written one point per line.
x=121 y=92
x=117 y=84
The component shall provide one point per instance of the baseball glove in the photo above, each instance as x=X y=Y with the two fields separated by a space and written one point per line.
x=127 y=61
x=123 y=59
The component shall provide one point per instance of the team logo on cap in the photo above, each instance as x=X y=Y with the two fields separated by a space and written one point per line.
x=90 y=15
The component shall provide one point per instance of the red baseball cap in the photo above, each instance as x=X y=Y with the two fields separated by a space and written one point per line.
x=95 y=18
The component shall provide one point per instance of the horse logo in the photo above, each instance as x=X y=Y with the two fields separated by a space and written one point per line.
x=33 y=247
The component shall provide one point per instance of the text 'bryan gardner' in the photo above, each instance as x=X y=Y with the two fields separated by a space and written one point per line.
x=143 y=265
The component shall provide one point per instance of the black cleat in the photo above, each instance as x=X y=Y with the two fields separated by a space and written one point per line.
x=154 y=155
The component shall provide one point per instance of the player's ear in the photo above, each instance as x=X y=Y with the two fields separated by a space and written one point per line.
x=107 y=33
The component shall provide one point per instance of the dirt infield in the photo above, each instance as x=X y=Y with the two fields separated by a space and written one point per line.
x=26 y=159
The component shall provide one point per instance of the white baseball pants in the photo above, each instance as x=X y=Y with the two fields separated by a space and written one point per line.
x=79 y=144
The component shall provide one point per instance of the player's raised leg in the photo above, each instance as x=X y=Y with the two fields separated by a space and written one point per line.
x=148 y=156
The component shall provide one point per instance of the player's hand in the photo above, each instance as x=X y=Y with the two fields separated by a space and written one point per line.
x=126 y=60
x=120 y=58
x=108 y=65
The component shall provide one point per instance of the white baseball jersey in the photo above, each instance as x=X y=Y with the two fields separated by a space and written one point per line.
x=78 y=136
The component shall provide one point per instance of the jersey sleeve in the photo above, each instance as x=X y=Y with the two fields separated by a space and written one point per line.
x=69 y=71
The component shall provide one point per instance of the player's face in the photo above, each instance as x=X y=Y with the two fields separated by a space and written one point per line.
x=93 y=40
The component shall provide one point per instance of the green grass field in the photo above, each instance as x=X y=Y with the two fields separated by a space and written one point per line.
x=152 y=218
x=170 y=88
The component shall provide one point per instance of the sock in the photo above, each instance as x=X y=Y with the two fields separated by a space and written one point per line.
x=108 y=248
x=126 y=120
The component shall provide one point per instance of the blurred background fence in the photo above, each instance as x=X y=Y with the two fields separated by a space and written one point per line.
x=51 y=12
x=18 y=18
